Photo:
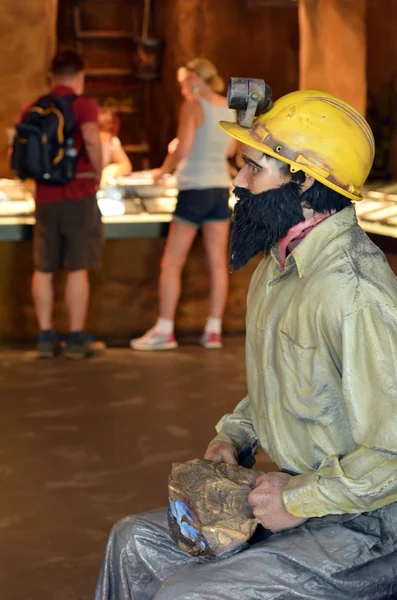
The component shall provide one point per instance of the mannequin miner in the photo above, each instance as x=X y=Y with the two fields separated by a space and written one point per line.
x=321 y=356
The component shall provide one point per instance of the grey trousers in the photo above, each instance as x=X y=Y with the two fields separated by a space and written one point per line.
x=333 y=558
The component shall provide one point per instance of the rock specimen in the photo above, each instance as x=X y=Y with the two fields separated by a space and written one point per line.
x=209 y=514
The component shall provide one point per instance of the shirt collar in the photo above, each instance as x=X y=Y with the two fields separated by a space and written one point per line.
x=63 y=90
x=306 y=252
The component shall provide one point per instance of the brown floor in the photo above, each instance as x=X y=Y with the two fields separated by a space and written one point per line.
x=83 y=444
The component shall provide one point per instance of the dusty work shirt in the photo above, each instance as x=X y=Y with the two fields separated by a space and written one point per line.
x=321 y=356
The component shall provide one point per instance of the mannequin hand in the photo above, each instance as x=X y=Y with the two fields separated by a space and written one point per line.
x=221 y=452
x=268 y=504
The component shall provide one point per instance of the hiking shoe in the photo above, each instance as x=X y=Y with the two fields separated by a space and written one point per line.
x=49 y=347
x=211 y=341
x=88 y=348
x=153 y=341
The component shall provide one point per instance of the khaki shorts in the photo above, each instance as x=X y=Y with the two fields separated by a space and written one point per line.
x=68 y=234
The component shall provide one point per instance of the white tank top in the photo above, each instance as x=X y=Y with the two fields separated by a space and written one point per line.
x=205 y=166
x=108 y=149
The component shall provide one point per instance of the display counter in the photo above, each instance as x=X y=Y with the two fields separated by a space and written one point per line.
x=147 y=215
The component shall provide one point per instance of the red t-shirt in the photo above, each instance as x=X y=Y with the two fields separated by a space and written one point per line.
x=85 y=110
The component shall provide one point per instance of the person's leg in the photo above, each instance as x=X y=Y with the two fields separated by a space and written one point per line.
x=216 y=237
x=42 y=293
x=46 y=257
x=79 y=219
x=77 y=293
x=97 y=239
x=179 y=242
x=139 y=556
x=326 y=559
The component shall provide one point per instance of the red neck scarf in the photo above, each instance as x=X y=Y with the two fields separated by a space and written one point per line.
x=298 y=232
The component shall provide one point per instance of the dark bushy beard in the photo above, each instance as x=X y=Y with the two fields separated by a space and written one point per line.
x=261 y=220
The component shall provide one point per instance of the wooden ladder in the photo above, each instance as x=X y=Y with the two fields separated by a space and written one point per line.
x=136 y=110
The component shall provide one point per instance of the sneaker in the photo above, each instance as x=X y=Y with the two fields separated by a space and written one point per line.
x=90 y=347
x=153 y=341
x=49 y=348
x=211 y=341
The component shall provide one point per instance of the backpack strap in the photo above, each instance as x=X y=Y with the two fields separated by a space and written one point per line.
x=62 y=106
x=65 y=105
x=45 y=106
x=43 y=102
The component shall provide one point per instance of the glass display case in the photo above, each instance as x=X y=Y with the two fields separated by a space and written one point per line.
x=137 y=194
x=377 y=213
x=15 y=198
x=135 y=206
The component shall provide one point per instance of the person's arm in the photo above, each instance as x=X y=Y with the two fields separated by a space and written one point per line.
x=92 y=143
x=364 y=479
x=186 y=130
x=237 y=428
x=172 y=146
x=120 y=163
x=87 y=119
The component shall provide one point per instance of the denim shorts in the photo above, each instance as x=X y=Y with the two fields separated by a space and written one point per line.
x=195 y=207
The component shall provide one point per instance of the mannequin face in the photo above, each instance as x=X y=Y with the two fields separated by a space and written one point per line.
x=259 y=172
x=268 y=205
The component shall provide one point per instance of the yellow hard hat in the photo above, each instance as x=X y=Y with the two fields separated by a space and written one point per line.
x=316 y=133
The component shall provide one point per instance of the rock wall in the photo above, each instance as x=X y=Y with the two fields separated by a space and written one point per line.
x=333 y=48
x=382 y=83
x=28 y=40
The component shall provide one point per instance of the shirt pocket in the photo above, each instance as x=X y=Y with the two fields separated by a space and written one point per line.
x=303 y=384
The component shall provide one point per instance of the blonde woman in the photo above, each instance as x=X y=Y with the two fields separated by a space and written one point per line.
x=199 y=156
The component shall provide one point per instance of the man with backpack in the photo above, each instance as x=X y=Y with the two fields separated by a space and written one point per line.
x=58 y=145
